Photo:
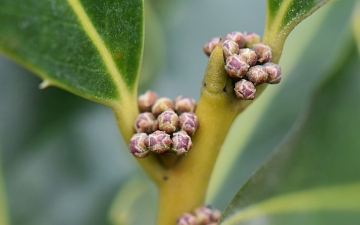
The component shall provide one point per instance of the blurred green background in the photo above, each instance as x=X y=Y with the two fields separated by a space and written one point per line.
x=63 y=159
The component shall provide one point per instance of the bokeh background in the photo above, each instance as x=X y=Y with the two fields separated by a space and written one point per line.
x=62 y=157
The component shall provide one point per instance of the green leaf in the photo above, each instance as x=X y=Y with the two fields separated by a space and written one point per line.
x=135 y=203
x=4 y=216
x=355 y=23
x=313 y=178
x=89 y=47
x=282 y=17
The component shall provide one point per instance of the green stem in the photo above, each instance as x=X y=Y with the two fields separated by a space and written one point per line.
x=182 y=183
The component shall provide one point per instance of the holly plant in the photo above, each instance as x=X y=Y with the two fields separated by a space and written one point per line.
x=198 y=153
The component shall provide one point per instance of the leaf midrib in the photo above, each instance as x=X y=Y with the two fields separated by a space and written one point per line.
x=104 y=52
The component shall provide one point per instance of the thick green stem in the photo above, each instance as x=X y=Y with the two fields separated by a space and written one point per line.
x=184 y=185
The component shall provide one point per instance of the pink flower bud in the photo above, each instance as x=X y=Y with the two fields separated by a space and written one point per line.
x=144 y=123
x=210 y=45
x=187 y=219
x=159 y=142
x=188 y=122
x=184 y=104
x=203 y=214
x=274 y=73
x=138 y=145
x=263 y=52
x=161 y=105
x=249 y=55
x=181 y=143
x=236 y=66
x=245 y=90
x=230 y=47
x=238 y=37
x=146 y=101
x=251 y=39
x=168 y=121
x=257 y=75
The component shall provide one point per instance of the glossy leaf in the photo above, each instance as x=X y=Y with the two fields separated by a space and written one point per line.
x=89 y=47
x=282 y=17
x=313 y=178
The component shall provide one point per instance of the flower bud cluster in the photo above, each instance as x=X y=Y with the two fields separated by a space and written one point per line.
x=204 y=215
x=247 y=61
x=163 y=125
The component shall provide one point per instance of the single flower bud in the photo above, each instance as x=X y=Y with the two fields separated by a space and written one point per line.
x=138 y=145
x=188 y=122
x=168 y=121
x=245 y=90
x=249 y=55
x=230 y=47
x=236 y=66
x=215 y=215
x=159 y=142
x=251 y=39
x=210 y=45
x=144 y=123
x=274 y=73
x=257 y=75
x=263 y=52
x=184 y=104
x=161 y=105
x=146 y=101
x=187 y=219
x=181 y=142
x=238 y=37
x=203 y=214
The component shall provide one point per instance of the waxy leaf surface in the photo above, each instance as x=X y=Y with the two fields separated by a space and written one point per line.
x=282 y=17
x=92 y=48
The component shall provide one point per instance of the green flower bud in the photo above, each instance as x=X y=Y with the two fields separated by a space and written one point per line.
x=144 y=123
x=249 y=55
x=263 y=52
x=161 y=105
x=184 y=104
x=210 y=45
x=274 y=73
x=188 y=122
x=138 y=145
x=230 y=48
x=257 y=75
x=159 y=142
x=251 y=39
x=181 y=142
x=146 y=101
x=187 y=219
x=236 y=66
x=238 y=37
x=168 y=121
x=245 y=90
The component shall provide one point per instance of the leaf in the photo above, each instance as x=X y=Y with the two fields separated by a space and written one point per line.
x=313 y=178
x=4 y=217
x=282 y=16
x=355 y=23
x=135 y=203
x=88 y=47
